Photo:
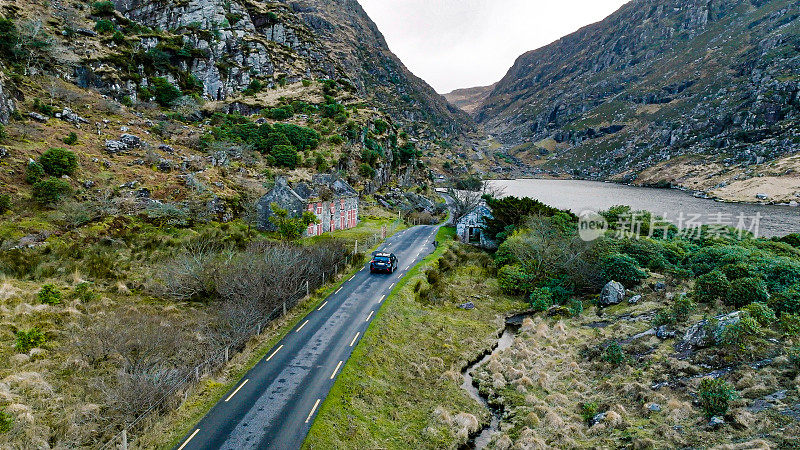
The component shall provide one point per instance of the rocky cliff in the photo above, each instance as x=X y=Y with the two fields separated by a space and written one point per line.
x=469 y=100
x=658 y=79
x=226 y=45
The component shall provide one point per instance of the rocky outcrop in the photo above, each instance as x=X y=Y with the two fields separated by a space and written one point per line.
x=613 y=293
x=6 y=104
x=656 y=80
x=226 y=44
x=469 y=100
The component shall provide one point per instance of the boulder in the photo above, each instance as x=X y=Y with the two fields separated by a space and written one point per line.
x=131 y=140
x=113 y=146
x=659 y=286
x=68 y=115
x=703 y=334
x=654 y=407
x=37 y=117
x=716 y=422
x=468 y=305
x=635 y=299
x=613 y=293
x=664 y=332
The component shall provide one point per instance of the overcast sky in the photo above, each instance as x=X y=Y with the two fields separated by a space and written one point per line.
x=455 y=44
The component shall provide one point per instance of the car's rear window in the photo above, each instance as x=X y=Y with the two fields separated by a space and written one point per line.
x=382 y=258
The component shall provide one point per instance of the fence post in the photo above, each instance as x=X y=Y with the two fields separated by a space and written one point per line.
x=197 y=373
x=306 y=288
x=323 y=278
x=258 y=328
x=355 y=249
x=336 y=269
x=284 y=307
x=124 y=439
x=226 y=354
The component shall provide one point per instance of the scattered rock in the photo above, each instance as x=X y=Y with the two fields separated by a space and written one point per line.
x=613 y=293
x=659 y=286
x=143 y=193
x=164 y=165
x=598 y=418
x=654 y=407
x=86 y=32
x=131 y=140
x=37 y=117
x=115 y=147
x=702 y=334
x=468 y=305
x=3 y=152
x=88 y=184
x=559 y=311
x=663 y=332
x=716 y=422
x=68 y=115
x=762 y=196
x=129 y=185
x=635 y=299
x=166 y=148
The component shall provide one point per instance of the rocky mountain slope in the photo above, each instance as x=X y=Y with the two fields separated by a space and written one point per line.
x=659 y=79
x=469 y=100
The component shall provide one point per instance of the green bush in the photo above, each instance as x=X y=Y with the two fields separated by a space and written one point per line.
x=747 y=290
x=302 y=138
x=790 y=324
x=622 y=268
x=6 y=422
x=647 y=253
x=275 y=139
x=58 y=162
x=682 y=307
x=49 y=295
x=589 y=410
x=762 y=313
x=71 y=138
x=715 y=396
x=740 y=335
x=336 y=140
x=717 y=256
x=366 y=171
x=737 y=271
x=34 y=172
x=50 y=190
x=282 y=113
x=575 y=307
x=164 y=92
x=285 y=156
x=118 y=38
x=28 y=339
x=512 y=279
x=787 y=301
x=794 y=357
x=541 y=299
x=712 y=286
x=104 y=26
x=102 y=8
x=613 y=354
x=5 y=203
x=84 y=292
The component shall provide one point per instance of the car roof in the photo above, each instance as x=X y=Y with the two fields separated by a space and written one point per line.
x=384 y=254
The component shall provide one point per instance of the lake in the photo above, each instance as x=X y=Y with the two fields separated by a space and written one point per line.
x=676 y=206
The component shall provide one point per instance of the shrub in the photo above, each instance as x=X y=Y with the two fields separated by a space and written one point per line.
x=49 y=295
x=740 y=334
x=575 y=307
x=787 y=301
x=28 y=339
x=104 y=26
x=50 y=190
x=5 y=203
x=84 y=292
x=366 y=171
x=613 y=354
x=102 y=8
x=589 y=410
x=512 y=279
x=71 y=138
x=794 y=357
x=747 y=290
x=6 y=422
x=715 y=396
x=790 y=324
x=541 y=299
x=285 y=156
x=736 y=271
x=336 y=140
x=622 y=268
x=164 y=92
x=433 y=276
x=34 y=172
x=761 y=313
x=681 y=308
x=711 y=287
x=58 y=162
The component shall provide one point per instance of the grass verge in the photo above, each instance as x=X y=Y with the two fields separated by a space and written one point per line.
x=391 y=392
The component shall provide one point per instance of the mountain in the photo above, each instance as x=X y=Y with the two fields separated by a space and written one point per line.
x=469 y=99
x=659 y=83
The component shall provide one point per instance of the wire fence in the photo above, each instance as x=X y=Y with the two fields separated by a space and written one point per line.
x=179 y=391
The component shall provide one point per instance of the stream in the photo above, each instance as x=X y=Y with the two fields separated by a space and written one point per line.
x=481 y=440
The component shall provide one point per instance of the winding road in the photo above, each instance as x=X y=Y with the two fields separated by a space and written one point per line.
x=274 y=404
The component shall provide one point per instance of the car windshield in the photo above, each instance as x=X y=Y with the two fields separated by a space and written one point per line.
x=382 y=258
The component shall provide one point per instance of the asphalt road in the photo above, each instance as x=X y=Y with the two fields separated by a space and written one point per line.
x=274 y=404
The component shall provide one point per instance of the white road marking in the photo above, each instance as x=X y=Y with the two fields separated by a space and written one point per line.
x=382 y=297
x=407 y=267
x=369 y=316
x=337 y=291
x=273 y=353
x=237 y=389
x=311 y=413
x=322 y=305
x=189 y=439
x=301 y=326
x=351 y=278
x=392 y=285
x=354 y=339
x=336 y=369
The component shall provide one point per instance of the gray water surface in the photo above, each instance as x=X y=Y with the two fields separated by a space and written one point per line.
x=678 y=207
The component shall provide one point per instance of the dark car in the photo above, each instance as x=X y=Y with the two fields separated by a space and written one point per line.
x=383 y=262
